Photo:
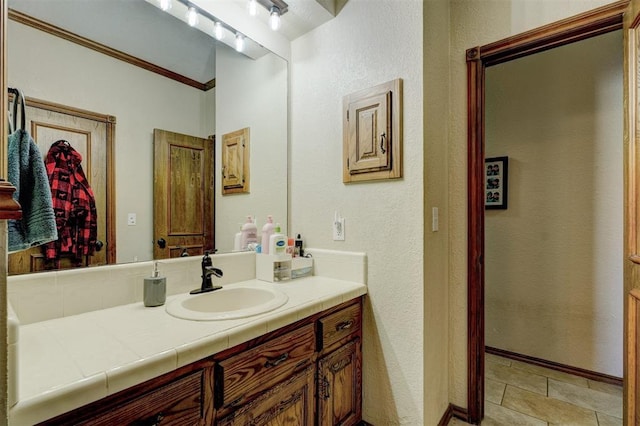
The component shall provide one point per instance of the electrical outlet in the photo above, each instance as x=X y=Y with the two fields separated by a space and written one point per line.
x=131 y=219
x=338 y=228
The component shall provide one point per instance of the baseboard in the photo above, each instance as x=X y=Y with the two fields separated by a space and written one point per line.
x=591 y=375
x=451 y=412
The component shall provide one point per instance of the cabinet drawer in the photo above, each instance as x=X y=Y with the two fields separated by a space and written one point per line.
x=178 y=403
x=336 y=326
x=242 y=376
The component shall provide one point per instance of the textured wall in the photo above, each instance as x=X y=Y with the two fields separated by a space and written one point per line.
x=368 y=43
x=477 y=23
x=552 y=266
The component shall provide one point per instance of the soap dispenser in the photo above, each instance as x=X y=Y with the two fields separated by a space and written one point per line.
x=155 y=288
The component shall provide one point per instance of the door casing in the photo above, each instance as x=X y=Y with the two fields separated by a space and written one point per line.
x=586 y=25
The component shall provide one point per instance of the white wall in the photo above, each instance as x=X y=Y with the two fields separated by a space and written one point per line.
x=52 y=69
x=368 y=43
x=252 y=94
x=553 y=265
x=474 y=24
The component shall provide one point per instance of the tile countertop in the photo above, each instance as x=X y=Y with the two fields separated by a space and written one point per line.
x=68 y=362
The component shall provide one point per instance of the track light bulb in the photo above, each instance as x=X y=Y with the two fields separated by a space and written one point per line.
x=192 y=16
x=274 y=18
x=252 y=7
x=165 y=5
x=239 y=42
x=218 y=31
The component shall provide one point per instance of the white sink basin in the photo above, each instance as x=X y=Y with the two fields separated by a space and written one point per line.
x=227 y=303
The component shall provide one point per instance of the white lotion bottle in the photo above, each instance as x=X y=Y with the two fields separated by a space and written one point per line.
x=267 y=232
x=277 y=242
x=249 y=234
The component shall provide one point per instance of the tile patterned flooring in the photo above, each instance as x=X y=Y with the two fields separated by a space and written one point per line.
x=521 y=394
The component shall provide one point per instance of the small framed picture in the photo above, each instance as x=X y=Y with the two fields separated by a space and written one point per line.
x=496 y=174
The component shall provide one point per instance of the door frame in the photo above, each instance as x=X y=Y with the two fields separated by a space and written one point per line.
x=580 y=27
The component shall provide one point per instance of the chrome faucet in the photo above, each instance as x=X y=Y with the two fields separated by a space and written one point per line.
x=207 y=271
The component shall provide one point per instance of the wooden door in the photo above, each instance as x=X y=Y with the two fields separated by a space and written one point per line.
x=289 y=403
x=183 y=195
x=91 y=135
x=339 y=386
x=632 y=204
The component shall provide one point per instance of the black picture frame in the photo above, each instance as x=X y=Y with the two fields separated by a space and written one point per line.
x=496 y=183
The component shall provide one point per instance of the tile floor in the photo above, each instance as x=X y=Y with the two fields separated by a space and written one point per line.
x=521 y=394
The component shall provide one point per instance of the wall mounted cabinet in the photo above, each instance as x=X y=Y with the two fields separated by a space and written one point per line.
x=235 y=162
x=372 y=133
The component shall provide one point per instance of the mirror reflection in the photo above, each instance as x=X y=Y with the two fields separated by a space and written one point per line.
x=221 y=91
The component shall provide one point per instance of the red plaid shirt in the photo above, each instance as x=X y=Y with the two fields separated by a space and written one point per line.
x=73 y=203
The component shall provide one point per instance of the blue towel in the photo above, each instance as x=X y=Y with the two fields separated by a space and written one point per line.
x=27 y=173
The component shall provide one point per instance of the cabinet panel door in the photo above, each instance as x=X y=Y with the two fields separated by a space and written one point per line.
x=289 y=403
x=339 y=386
x=235 y=162
x=369 y=131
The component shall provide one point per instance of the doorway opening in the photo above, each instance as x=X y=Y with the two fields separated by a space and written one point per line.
x=593 y=23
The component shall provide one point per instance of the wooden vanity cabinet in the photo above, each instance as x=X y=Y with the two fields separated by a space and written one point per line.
x=305 y=374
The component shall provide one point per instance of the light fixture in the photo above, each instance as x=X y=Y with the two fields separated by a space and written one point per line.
x=252 y=7
x=276 y=9
x=218 y=31
x=274 y=18
x=239 y=42
x=165 y=5
x=192 y=16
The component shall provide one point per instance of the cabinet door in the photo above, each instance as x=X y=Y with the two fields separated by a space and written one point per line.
x=369 y=122
x=289 y=403
x=339 y=386
x=235 y=162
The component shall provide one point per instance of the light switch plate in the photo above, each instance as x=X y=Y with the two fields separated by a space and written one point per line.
x=338 y=229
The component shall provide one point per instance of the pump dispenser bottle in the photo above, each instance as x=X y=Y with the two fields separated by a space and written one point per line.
x=249 y=233
x=155 y=288
x=277 y=242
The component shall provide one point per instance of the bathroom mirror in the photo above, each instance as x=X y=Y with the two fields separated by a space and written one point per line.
x=247 y=92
